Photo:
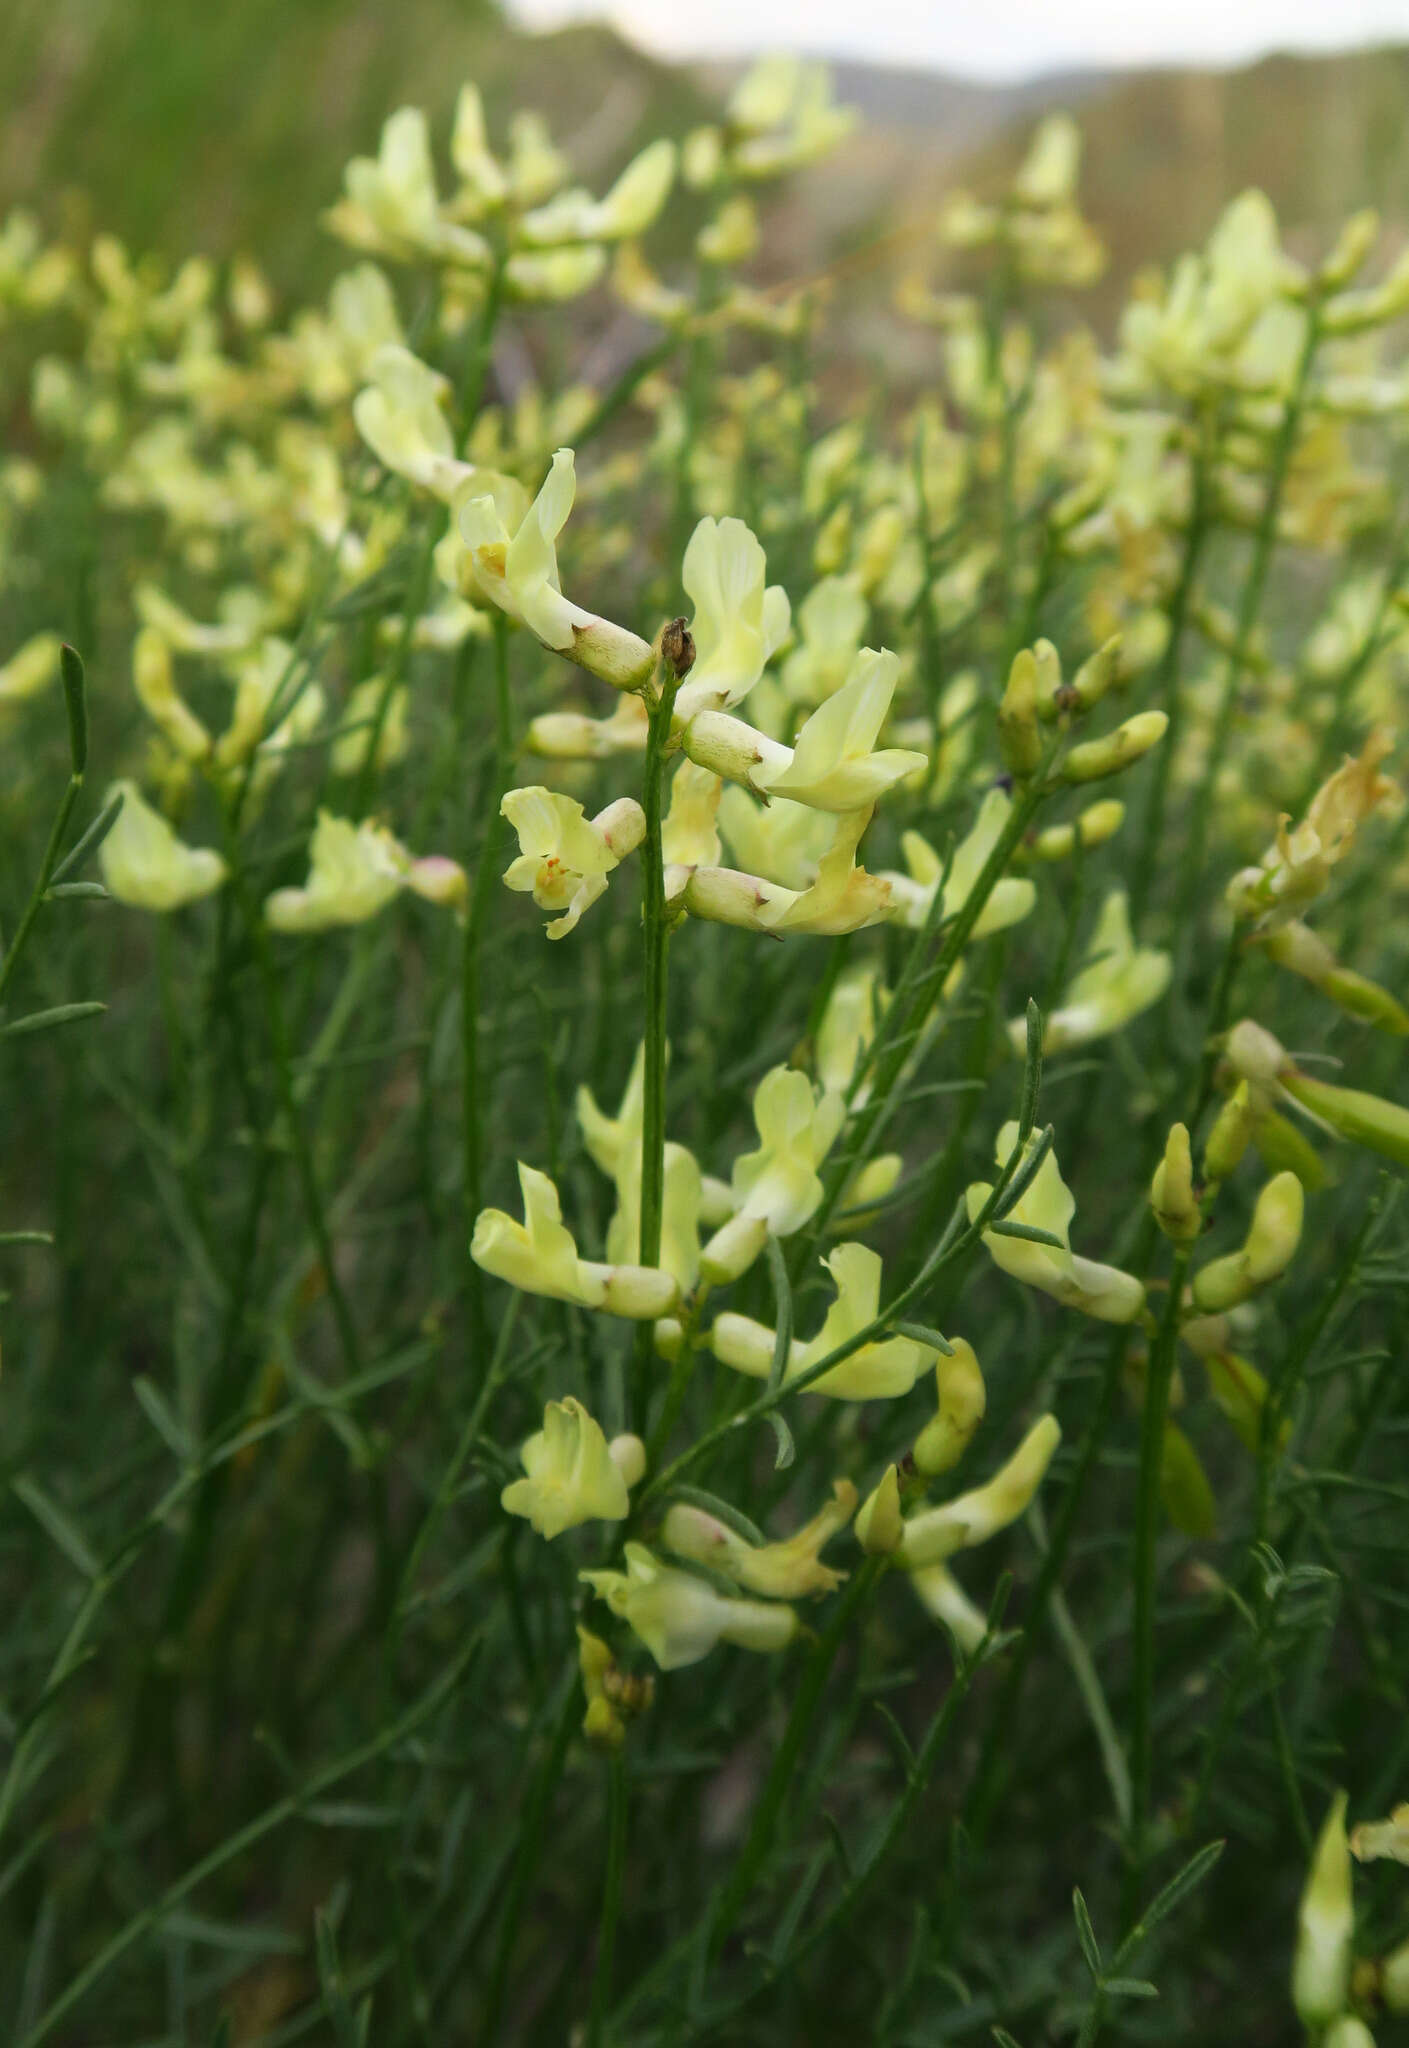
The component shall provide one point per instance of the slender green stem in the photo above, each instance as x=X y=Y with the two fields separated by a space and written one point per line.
x=472 y=941
x=1249 y=609
x=903 y=1022
x=657 y=939
x=1154 y=1419
x=959 y=1238
x=1167 y=684
x=982 y=1797
x=481 y=352
x=612 y=1882
x=291 y=1107
x=226 y=1852
x=531 y=1843
x=806 y=1700
x=46 y=869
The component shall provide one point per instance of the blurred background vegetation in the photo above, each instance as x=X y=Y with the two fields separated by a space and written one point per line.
x=183 y=130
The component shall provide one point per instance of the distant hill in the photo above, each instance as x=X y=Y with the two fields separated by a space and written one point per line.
x=227 y=127
x=1166 y=150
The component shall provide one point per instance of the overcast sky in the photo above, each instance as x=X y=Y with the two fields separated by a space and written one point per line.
x=990 y=38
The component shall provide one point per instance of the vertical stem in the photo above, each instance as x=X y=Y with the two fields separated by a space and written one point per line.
x=481 y=352
x=46 y=868
x=611 y=1898
x=1249 y=607
x=1154 y=1417
x=656 y=986
x=1168 y=680
x=472 y=1129
x=734 y=1895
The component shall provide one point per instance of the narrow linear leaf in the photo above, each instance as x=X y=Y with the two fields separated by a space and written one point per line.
x=57 y=1524
x=722 y=1510
x=1028 y=1232
x=49 y=1020
x=787 y=1449
x=1032 y=1073
x=1086 y=1934
x=165 y=1422
x=1130 y=1987
x=91 y=840
x=1164 y=1902
x=921 y=1333
x=1027 y=1173
x=783 y=1308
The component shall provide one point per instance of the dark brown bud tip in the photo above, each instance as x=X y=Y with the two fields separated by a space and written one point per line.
x=678 y=648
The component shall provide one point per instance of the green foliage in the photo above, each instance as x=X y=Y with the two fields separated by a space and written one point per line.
x=307 y=1733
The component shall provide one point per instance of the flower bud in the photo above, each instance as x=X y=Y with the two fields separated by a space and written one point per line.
x=1096 y=675
x=601 y=1723
x=1172 y=1190
x=1254 y=1054
x=1096 y=824
x=1266 y=1253
x=1297 y=948
x=1367 y=1120
x=879 y=1524
x=962 y=1399
x=1228 y=1139
x=1349 y=250
x=1325 y=1927
x=974 y=1517
x=1048 y=678
x=668 y=1337
x=628 y=1454
x=1019 y=740
x=1094 y=759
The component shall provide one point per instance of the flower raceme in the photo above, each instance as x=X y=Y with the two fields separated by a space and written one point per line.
x=1047 y=1204
x=538 y=1256
x=1297 y=867
x=834 y=765
x=355 y=870
x=1009 y=901
x=1118 y=981
x=681 y=1618
x=1257 y=1058
x=572 y=1473
x=879 y=1370
x=565 y=857
x=145 y=864
x=787 y=1570
x=514 y=563
x=776 y=1188
x=740 y=619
